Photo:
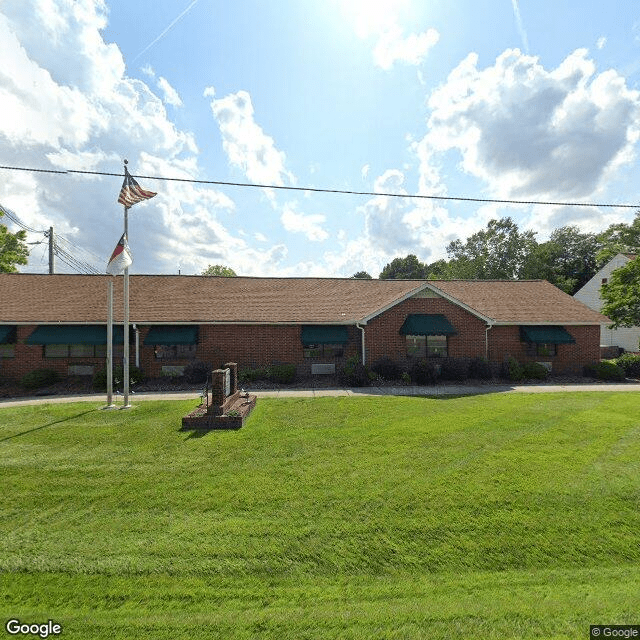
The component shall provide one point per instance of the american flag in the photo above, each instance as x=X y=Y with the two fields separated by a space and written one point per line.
x=132 y=192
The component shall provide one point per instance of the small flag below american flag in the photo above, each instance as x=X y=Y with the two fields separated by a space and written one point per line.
x=120 y=258
x=132 y=192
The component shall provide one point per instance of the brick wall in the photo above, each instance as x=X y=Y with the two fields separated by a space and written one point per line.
x=259 y=345
x=29 y=357
x=250 y=346
x=570 y=358
x=383 y=337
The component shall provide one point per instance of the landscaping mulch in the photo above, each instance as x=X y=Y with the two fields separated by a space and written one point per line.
x=80 y=385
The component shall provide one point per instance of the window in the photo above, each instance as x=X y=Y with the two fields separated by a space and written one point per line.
x=323 y=350
x=7 y=351
x=80 y=351
x=175 y=351
x=427 y=346
x=436 y=346
x=541 y=349
x=417 y=346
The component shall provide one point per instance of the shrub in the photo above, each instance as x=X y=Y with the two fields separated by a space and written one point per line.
x=423 y=372
x=480 y=369
x=282 y=373
x=455 y=369
x=630 y=362
x=251 y=375
x=605 y=370
x=387 y=368
x=39 y=378
x=513 y=370
x=354 y=374
x=535 y=371
x=196 y=372
x=405 y=377
x=100 y=378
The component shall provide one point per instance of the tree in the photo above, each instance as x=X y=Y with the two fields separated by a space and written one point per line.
x=409 y=268
x=219 y=270
x=362 y=275
x=499 y=252
x=619 y=238
x=621 y=296
x=13 y=249
x=567 y=259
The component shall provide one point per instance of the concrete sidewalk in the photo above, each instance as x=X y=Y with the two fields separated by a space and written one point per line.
x=435 y=390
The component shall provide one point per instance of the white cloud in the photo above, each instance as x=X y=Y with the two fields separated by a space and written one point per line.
x=365 y=171
x=247 y=146
x=67 y=103
x=532 y=133
x=601 y=43
x=380 y=19
x=171 y=96
x=309 y=225
x=394 y=227
x=392 y=47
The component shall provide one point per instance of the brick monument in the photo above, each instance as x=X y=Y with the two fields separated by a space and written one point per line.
x=223 y=405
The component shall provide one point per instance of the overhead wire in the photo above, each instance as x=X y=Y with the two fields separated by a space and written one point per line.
x=63 y=248
x=334 y=191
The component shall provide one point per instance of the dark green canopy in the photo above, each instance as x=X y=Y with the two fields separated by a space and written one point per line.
x=419 y=324
x=172 y=334
x=325 y=334
x=7 y=333
x=542 y=334
x=74 y=334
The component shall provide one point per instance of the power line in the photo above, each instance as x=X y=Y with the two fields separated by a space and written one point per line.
x=334 y=191
x=70 y=246
x=14 y=218
x=63 y=248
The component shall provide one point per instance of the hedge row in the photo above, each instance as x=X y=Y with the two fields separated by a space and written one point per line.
x=425 y=372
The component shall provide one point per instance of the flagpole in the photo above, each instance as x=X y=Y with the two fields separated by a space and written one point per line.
x=125 y=358
x=110 y=345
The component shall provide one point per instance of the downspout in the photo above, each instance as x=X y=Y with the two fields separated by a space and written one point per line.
x=135 y=328
x=364 y=360
x=486 y=340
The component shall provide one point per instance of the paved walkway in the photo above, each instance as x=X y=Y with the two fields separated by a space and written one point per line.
x=437 y=390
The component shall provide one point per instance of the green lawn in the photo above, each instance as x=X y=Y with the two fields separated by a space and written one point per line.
x=503 y=516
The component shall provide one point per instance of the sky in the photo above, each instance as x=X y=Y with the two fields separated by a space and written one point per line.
x=503 y=99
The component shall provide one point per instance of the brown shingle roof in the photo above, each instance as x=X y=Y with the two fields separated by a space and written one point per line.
x=174 y=299
x=520 y=302
x=36 y=299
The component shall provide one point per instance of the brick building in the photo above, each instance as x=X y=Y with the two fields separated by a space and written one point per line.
x=59 y=322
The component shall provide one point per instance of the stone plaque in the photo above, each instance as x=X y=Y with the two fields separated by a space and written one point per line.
x=227 y=382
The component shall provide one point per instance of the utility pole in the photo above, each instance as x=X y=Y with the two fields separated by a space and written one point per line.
x=51 y=254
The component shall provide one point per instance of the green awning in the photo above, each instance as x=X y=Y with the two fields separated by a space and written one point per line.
x=7 y=333
x=543 y=334
x=325 y=334
x=74 y=334
x=172 y=334
x=418 y=324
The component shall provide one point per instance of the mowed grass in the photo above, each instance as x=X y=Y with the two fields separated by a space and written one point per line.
x=503 y=516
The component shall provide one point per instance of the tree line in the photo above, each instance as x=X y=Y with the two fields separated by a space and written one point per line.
x=569 y=259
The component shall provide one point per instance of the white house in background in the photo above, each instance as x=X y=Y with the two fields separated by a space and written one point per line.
x=625 y=337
